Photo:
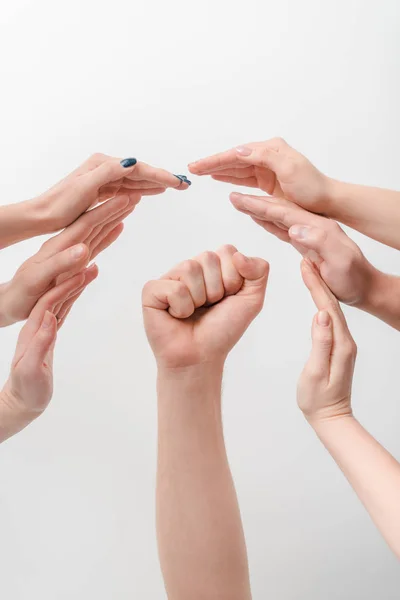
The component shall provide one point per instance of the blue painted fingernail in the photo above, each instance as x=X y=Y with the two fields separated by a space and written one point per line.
x=128 y=162
x=184 y=179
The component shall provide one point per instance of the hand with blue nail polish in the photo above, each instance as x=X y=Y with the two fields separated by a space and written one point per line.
x=99 y=178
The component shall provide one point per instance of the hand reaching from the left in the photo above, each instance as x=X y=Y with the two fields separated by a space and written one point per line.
x=62 y=256
x=99 y=178
x=29 y=387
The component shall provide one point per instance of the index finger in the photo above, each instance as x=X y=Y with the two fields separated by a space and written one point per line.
x=268 y=208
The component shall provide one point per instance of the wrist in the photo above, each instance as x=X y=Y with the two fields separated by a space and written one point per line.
x=332 y=194
x=13 y=416
x=383 y=297
x=19 y=222
x=202 y=373
x=323 y=424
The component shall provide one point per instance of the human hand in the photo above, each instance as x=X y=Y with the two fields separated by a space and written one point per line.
x=272 y=166
x=99 y=178
x=324 y=389
x=199 y=310
x=62 y=256
x=29 y=387
x=343 y=267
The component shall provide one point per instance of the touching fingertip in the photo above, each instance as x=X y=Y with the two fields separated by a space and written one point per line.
x=323 y=318
x=183 y=179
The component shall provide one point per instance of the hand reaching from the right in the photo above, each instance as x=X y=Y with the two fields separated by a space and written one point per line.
x=324 y=396
x=343 y=267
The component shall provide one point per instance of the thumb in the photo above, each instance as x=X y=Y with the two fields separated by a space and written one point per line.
x=255 y=273
x=109 y=171
x=37 y=350
x=314 y=238
x=322 y=344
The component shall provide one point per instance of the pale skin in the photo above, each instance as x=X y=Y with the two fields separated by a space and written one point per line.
x=324 y=396
x=64 y=255
x=193 y=316
x=99 y=178
x=279 y=170
x=343 y=267
x=29 y=387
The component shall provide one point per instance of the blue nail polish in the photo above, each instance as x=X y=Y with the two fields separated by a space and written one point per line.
x=128 y=162
x=184 y=179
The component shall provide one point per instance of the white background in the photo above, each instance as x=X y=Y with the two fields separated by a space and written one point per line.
x=169 y=82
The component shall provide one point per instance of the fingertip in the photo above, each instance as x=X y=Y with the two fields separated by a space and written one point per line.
x=323 y=318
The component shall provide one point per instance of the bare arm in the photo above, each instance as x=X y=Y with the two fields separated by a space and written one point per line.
x=324 y=396
x=372 y=472
x=200 y=536
x=193 y=317
x=372 y=211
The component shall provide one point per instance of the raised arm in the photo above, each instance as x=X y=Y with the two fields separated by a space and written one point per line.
x=324 y=396
x=278 y=169
x=201 y=542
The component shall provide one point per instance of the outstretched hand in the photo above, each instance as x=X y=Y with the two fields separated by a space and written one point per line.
x=99 y=178
x=62 y=256
x=273 y=167
x=342 y=265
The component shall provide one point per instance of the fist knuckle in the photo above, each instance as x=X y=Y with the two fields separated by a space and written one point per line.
x=190 y=267
x=227 y=249
x=147 y=288
x=210 y=258
x=180 y=290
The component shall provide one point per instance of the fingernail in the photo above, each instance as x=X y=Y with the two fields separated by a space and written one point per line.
x=128 y=162
x=77 y=251
x=47 y=319
x=243 y=150
x=323 y=318
x=299 y=231
x=235 y=196
x=183 y=179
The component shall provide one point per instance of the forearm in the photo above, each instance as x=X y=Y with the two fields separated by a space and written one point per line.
x=372 y=472
x=20 y=222
x=383 y=298
x=200 y=535
x=372 y=211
